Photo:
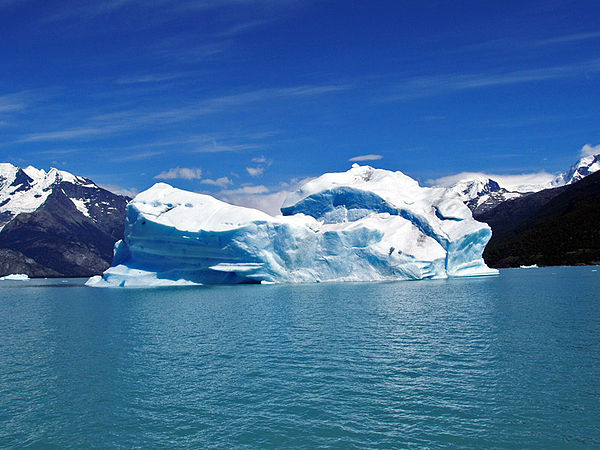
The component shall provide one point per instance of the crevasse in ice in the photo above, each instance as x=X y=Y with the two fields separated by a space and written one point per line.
x=365 y=224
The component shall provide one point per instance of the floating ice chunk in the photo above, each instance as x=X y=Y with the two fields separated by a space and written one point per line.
x=362 y=225
x=16 y=277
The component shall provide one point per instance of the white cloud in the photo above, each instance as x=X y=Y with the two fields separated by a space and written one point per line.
x=247 y=190
x=522 y=182
x=186 y=173
x=369 y=157
x=270 y=203
x=119 y=190
x=259 y=170
x=221 y=182
x=589 y=150
x=259 y=197
x=255 y=171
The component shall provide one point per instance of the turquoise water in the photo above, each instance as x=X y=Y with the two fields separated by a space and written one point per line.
x=507 y=361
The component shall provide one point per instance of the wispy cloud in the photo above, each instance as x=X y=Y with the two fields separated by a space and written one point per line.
x=88 y=10
x=119 y=122
x=202 y=143
x=242 y=27
x=260 y=95
x=152 y=78
x=213 y=4
x=426 y=86
x=14 y=101
x=259 y=159
x=524 y=121
x=589 y=150
x=255 y=171
x=269 y=202
x=569 y=38
x=73 y=133
x=258 y=171
x=220 y=182
x=185 y=173
x=115 y=189
x=247 y=190
x=158 y=11
x=215 y=147
x=55 y=152
x=260 y=197
x=369 y=157
x=138 y=156
x=182 y=50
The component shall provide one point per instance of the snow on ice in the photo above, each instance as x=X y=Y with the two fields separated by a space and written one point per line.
x=365 y=224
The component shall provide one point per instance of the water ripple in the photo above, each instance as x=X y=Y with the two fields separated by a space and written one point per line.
x=509 y=361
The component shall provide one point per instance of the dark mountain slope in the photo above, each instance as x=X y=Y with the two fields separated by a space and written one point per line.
x=16 y=262
x=60 y=238
x=505 y=216
x=554 y=227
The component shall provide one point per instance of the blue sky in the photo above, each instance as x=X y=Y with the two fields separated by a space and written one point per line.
x=239 y=97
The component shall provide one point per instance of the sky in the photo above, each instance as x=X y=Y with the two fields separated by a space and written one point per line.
x=244 y=98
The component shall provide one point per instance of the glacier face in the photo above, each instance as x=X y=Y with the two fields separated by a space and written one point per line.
x=365 y=224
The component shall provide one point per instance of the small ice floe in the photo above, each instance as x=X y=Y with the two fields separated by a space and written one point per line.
x=16 y=277
x=533 y=266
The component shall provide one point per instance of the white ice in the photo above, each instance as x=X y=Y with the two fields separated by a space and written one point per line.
x=365 y=224
x=15 y=277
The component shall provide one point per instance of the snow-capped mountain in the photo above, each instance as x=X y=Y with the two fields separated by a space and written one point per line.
x=581 y=169
x=481 y=193
x=55 y=223
x=557 y=226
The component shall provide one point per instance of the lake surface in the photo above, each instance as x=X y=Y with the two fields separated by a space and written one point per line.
x=506 y=361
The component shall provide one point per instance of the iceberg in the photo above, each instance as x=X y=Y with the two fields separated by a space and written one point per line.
x=15 y=277
x=533 y=266
x=365 y=224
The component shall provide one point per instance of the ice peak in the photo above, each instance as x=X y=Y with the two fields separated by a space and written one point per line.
x=34 y=173
x=581 y=169
x=6 y=167
x=388 y=185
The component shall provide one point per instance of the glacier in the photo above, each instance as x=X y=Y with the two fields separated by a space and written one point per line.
x=365 y=224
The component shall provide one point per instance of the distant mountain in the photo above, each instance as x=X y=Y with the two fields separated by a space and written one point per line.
x=581 y=169
x=559 y=226
x=482 y=194
x=56 y=224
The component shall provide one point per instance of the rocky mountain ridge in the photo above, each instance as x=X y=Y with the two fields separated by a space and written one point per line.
x=53 y=223
x=482 y=194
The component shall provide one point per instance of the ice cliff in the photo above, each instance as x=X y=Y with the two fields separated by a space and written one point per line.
x=365 y=224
